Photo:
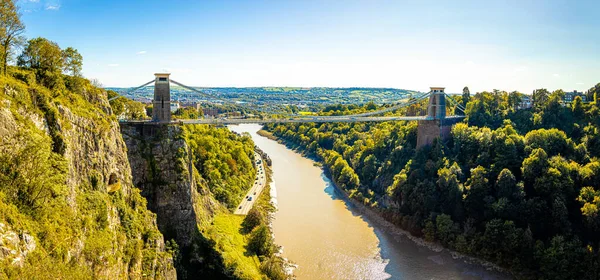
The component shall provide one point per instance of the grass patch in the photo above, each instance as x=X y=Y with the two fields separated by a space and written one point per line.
x=232 y=245
x=266 y=134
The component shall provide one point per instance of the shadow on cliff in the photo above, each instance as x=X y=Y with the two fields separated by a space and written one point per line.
x=200 y=260
x=163 y=173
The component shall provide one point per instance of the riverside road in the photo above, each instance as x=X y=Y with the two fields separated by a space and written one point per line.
x=256 y=189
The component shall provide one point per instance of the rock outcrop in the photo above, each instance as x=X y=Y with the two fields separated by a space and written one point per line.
x=104 y=229
x=158 y=158
x=162 y=169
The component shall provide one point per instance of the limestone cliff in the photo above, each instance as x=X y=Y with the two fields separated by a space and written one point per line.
x=162 y=169
x=67 y=204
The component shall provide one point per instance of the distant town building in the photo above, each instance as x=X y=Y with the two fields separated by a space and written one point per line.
x=186 y=104
x=570 y=96
x=234 y=114
x=209 y=112
x=525 y=102
x=174 y=106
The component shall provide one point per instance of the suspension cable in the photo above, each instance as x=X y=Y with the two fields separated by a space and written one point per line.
x=458 y=105
x=395 y=107
x=131 y=90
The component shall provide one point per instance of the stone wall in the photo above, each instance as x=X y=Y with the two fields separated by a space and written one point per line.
x=431 y=129
x=427 y=131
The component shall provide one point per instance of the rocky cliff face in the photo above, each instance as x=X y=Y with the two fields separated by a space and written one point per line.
x=162 y=169
x=163 y=172
x=82 y=216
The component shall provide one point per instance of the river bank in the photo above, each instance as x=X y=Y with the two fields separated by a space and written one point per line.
x=378 y=217
x=329 y=238
x=271 y=208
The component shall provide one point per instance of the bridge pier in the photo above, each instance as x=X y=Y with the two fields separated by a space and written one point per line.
x=436 y=125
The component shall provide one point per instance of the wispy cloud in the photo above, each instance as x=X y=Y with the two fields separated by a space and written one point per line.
x=177 y=70
x=113 y=65
x=556 y=75
x=141 y=52
x=53 y=7
x=520 y=69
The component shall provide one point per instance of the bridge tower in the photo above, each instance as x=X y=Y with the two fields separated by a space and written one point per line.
x=436 y=125
x=436 y=110
x=161 y=111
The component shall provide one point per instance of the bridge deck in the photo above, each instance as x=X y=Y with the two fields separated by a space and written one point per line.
x=328 y=119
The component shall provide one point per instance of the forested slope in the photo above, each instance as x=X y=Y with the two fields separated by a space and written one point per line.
x=193 y=176
x=520 y=188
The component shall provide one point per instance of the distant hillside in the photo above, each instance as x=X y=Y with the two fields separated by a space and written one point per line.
x=291 y=95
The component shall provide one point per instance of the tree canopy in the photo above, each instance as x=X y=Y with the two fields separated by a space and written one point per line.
x=516 y=186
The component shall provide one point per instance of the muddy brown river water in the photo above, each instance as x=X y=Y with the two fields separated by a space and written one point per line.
x=329 y=239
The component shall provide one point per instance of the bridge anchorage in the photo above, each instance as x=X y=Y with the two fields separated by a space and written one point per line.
x=433 y=119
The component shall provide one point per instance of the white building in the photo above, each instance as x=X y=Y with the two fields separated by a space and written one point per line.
x=174 y=106
x=570 y=96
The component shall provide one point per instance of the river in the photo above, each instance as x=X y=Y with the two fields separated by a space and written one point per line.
x=328 y=239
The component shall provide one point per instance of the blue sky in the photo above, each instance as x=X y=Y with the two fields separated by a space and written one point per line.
x=507 y=45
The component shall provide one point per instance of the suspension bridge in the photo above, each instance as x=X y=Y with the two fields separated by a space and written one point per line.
x=429 y=109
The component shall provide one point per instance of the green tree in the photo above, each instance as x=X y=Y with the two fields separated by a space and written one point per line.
x=477 y=189
x=260 y=241
x=125 y=108
x=273 y=268
x=533 y=166
x=73 y=61
x=42 y=54
x=552 y=141
x=446 y=229
x=187 y=113
x=30 y=173
x=507 y=186
x=11 y=31
x=577 y=107
x=466 y=96
x=451 y=191
x=514 y=99
x=539 y=98
x=252 y=220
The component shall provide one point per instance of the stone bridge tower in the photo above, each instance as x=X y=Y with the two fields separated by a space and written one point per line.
x=436 y=125
x=161 y=111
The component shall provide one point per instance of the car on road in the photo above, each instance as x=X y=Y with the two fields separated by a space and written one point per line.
x=240 y=207
x=254 y=193
x=250 y=198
